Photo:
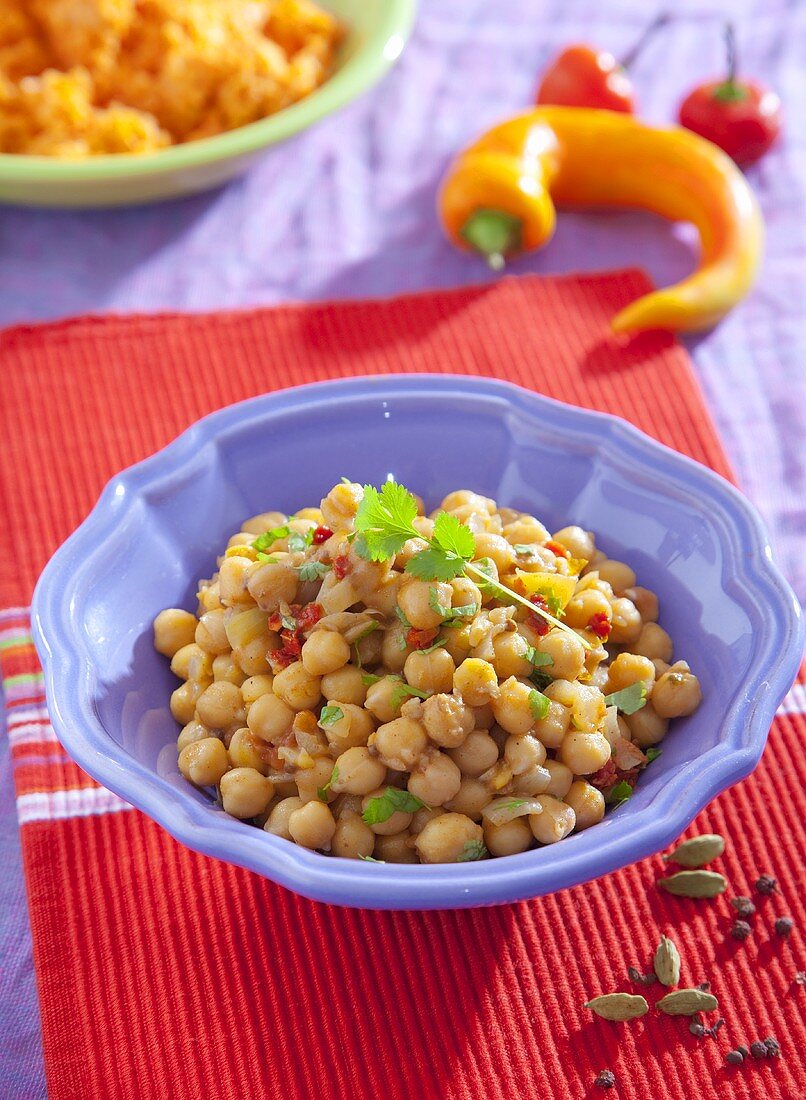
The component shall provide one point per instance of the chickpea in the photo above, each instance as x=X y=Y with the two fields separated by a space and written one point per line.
x=483 y=717
x=395 y=849
x=523 y=752
x=645 y=601
x=311 y=780
x=510 y=658
x=245 y=792
x=660 y=667
x=421 y=818
x=585 y=753
x=183 y=701
x=193 y=731
x=359 y=772
x=460 y=498
x=297 y=688
x=225 y=668
x=312 y=825
x=211 y=634
x=583 y=606
x=552 y=729
x=513 y=707
x=436 y=779
x=272 y=583
x=587 y=802
x=498 y=550
x=677 y=692
x=625 y=622
x=586 y=703
x=394 y=824
x=204 y=762
x=555 y=822
x=352 y=838
x=270 y=718
x=351 y=730
x=346 y=684
x=340 y=505
x=430 y=671
x=191 y=662
x=400 y=743
x=647 y=727
x=654 y=642
x=476 y=754
x=566 y=651
x=417 y=600
x=447 y=720
x=369 y=649
x=475 y=680
x=577 y=541
x=561 y=778
x=278 y=819
x=324 y=652
x=617 y=574
x=470 y=799
x=384 y=698
x=457 y=641
x=535 y=780
x=254 y=687
x=628 y=669
x=448 y=838
x=245 y=751
x=251 y=656
x=409 y=549
x=508 y=839
x=173 y=629
x=265 y=521
x=233 y=576
x=525 y=530
x=394 y=647
x=465 y=593
x=208 y=596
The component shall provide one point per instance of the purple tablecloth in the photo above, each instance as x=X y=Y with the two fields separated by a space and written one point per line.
x=348 y=210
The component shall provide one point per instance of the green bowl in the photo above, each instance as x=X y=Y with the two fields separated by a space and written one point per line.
x=376 y=34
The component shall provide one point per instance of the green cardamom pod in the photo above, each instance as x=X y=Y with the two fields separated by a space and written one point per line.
x=694 y=884
x=697 y=851
x=618 y=1006
x=667 y=962
x=685 y=1002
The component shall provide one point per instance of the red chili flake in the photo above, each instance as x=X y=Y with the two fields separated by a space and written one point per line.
x=605 y=777
x=557 y=549
x=276 y=618
x=281 y=658
x=309 y=616
x=342 y=566
x=600 y=625
x=321 y=534
x=420 y=639
x=537 y=622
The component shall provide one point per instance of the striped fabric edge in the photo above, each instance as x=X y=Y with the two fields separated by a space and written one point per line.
x=28 y=724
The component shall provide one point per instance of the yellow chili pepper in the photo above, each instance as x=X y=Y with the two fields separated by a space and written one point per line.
x=499 y=197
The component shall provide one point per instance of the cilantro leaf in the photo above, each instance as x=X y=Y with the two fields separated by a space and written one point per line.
x=435 y=564
x=629 y=699
x=538 y=659
x=272 y=558
x=540 y=679
x=264 y=541
x=652 y=754
x=381 y=808
x=322 y=791
x=288 y=622
x=370 y=859
x=473 y=850
x=370 y=628
x=330 y=716
x=437 y=645
x=452 y=536
x=525 y=550
x=402 y=690
x=437 y=607
x=619 y=794
x=312 y=570
x=401 y=614
x=449 y=613
x=538 y=704
x=367 y=679
x=385 y=520
x=297 y=542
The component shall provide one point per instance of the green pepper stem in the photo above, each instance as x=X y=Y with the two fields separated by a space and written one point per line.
x=493 y=234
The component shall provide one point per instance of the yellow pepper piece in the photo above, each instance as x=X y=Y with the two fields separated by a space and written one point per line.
x=551 y=585
x=499 y=197
x=241 y=552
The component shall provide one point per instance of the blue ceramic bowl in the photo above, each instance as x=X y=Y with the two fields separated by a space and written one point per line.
x=158 y=526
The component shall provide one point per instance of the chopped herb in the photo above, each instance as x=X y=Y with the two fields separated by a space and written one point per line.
x=401 y=614
x=370 y=859
x=538 y=659
x=271 y=558
x=288 y=622
x=381 y=808
x=473 y=850
x=629 y=699
x=524 y=550
x=652 y=754
x=515 y=804
x=334 y=775
x=437 y=607
x=297 y=541
x=367 y=679
x=538 y=704
x=540 y=679
x=402 y=644
x=370 y=628
x=402 y=690
x=447 y=614
x=312 y=570
x=264 y=541
x=330 y=716
x=436 y=645
x=619 y=794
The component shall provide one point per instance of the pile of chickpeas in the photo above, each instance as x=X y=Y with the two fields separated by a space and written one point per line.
x=442 y=708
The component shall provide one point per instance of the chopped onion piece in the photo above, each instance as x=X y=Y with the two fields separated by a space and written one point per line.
x=508 y=808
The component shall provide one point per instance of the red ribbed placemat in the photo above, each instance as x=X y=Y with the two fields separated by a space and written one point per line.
x=165 y=974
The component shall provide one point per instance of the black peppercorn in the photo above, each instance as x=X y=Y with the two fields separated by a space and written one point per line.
x=734 y=1057
x=783 y=926
x=743 y=906
x=758 y=1049
x=606 y=1079
x=743 y=1051
x=766 y=884
x=740 y=930
x=773 y=1049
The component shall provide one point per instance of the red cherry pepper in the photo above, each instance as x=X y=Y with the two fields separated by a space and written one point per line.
x=581 y=76
x=740 y=116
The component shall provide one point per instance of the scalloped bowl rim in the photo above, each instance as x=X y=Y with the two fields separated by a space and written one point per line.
x=361 y=71
x=70 y=680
